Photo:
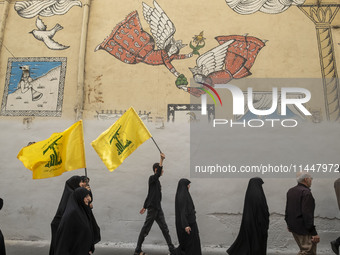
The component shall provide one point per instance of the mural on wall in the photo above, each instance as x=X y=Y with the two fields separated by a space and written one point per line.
x=232 y=59
x=199 y=40
x=129 y=43
x=189 y=112
x=33 y=8
x=46 y=8
x=95 y=94
x=44 y=35
x=34 y=87
x=265 y=6
x=322 y=15
x=116 y=114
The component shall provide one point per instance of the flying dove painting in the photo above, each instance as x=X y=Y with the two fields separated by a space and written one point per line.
x=44 y=35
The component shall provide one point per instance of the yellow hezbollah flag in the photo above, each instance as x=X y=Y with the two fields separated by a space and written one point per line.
x=60 y=153
x=116 y=143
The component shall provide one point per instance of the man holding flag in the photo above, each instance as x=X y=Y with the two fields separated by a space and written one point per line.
x=155 y=213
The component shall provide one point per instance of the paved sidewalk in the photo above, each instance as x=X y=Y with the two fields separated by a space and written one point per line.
x=42 y=248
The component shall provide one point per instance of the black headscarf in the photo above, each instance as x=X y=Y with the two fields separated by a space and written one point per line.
x=186 y=217
x=252 y=238
x=70 y=185
x=75 y=234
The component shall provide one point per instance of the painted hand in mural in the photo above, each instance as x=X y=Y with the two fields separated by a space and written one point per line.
x=129 y=43
x=46 y=35
x=232 y=59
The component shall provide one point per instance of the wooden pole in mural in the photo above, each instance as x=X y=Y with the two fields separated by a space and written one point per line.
x=81 y=64
x=322 y=15
x=3 y=21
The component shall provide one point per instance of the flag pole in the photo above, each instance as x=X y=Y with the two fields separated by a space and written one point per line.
x=85 y=172
x=156 y=144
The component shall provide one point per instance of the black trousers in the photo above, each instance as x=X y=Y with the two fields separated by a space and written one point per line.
x=158 y=216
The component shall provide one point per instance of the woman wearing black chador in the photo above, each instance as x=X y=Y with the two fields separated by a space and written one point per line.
x=186 y=226
x=76 y=233
x=252 y=238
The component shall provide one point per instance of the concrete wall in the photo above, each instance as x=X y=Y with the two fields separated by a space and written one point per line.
x=111 y=86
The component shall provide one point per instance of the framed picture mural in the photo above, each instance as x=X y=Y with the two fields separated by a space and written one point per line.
x=34 y=87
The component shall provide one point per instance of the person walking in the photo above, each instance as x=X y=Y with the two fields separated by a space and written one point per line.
x=154 y=209
x=299 y=214
x=253 y=234
x=75 y=235
x=186 y=225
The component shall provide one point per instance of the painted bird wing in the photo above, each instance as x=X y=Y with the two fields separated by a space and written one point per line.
x=161 y=26
x=214 y=59
x=40 y=24
x=53 y=45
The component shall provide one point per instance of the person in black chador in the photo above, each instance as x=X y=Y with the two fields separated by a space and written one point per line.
x=155 y=213
x=70 y=185
x=186 y=226
x=252 y=238
x=95 y=227
x=75 y=235
x=2 y=241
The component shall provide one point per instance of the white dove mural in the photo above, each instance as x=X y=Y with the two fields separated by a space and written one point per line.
x=46 y=8
x=44 y=35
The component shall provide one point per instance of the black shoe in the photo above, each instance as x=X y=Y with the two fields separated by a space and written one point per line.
x=172 y=252
x=335 y=247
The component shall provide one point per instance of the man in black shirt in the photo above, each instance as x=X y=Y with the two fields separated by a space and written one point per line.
x=155 y=213
x=299 y=214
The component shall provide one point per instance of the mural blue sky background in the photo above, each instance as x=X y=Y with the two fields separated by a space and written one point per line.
x=37 y=69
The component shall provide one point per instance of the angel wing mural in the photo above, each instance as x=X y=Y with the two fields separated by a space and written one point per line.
x=129 y=43
x=232 y=59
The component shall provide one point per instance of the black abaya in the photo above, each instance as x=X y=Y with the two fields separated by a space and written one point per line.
x=2 y=240
x=75 y=235
x=253 y=234
x=70 y=185
x=189 y=244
